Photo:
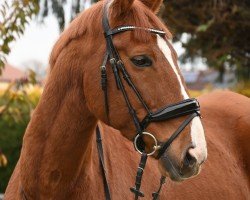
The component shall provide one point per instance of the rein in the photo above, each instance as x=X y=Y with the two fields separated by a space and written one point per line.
x=188 y=107
x=141 y=167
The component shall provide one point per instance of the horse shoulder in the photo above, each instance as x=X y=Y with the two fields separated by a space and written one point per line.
x=230 y=112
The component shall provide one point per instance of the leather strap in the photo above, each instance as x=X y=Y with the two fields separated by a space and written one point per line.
x=104 y=84
x=132 y=28
x=176 y=134
x=156 y=195
x=102 y=163
x=136 y=188
x=117 y=67
x=183 y=108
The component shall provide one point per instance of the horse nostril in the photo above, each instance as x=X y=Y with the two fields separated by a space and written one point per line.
x=189 y=160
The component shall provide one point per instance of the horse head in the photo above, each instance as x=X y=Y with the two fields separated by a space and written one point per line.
x=150 y=61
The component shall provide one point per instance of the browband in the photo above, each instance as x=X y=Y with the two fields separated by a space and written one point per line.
x=121 y=29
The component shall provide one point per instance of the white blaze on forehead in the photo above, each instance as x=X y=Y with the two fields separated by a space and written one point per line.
x=167 y=52
x=197 y=131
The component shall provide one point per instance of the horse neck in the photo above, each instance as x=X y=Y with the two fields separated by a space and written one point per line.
x=57 y=144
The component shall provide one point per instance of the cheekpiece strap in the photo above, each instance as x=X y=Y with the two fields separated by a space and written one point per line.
x=104 y=84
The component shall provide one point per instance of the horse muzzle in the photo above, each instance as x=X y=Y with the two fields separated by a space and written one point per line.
x=189 y=166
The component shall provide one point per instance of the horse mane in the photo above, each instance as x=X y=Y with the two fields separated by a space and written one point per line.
x=85 y=23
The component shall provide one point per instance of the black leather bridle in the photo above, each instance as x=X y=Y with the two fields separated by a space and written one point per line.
x=188 y=107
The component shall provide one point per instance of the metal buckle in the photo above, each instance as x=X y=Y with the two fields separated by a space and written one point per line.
x=155 y=148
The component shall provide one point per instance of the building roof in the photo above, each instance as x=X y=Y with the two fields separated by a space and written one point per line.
x=10 y=74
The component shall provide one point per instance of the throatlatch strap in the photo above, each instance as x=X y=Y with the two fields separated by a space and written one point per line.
x=101 y=158
x=136 y=189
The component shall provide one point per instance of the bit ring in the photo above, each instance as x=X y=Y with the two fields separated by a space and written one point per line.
x=155 y=148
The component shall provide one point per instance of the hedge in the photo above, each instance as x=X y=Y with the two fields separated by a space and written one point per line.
x=16 y=105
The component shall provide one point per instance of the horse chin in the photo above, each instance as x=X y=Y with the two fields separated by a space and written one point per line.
x=169 y=169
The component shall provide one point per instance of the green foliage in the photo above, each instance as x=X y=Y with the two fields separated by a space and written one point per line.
x=218 y=30
x=13 y=18
x=16 y=105
x=10 y=141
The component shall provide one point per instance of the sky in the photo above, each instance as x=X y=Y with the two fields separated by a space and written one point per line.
x=37 y=42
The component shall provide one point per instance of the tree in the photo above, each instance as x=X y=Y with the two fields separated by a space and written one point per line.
x=57 y=7
x=13 y=19
x=218 y=30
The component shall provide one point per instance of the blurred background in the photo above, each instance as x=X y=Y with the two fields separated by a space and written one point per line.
x=211 y=39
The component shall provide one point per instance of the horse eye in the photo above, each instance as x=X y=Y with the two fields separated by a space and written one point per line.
x=141 y=61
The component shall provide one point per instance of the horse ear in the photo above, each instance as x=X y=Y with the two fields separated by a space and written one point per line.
x=120 y=7
x=153 y=5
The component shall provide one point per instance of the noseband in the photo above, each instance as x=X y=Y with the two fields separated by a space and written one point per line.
x=188 y=107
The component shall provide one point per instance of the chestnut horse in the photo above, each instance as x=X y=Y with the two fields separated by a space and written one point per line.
x=59 y=158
